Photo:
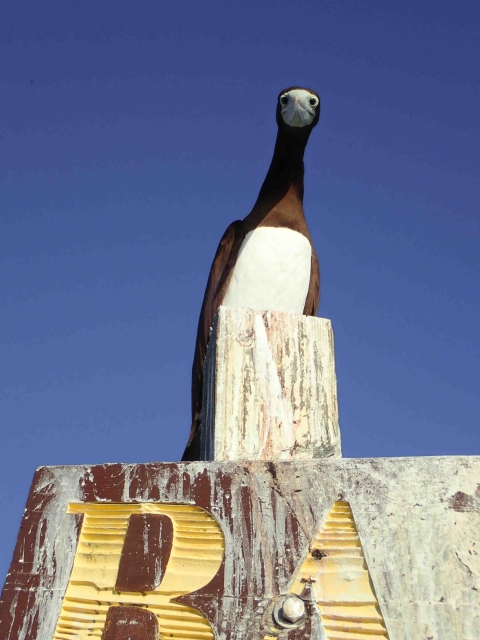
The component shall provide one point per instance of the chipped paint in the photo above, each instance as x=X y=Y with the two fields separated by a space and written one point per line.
x=421 y=553
x=343 y=588
x=270 y=390
x=195 y=558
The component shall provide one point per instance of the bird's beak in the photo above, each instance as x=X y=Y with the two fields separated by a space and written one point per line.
x=297 y=112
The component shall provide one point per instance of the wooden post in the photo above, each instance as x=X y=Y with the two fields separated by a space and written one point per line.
x=377 y=549
x=270 y=390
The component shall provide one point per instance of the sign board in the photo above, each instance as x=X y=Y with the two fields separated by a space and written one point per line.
x=372 y=548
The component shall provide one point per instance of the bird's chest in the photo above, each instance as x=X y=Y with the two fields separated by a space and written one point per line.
x=272 y=271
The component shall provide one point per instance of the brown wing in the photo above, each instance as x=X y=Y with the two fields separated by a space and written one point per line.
x=313 y=295
x=220 y=273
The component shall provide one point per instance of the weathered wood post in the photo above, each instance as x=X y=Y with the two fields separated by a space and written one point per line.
x=270 y=390
x=274 y=536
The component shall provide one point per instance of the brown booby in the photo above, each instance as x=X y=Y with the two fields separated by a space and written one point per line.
x=265 y=261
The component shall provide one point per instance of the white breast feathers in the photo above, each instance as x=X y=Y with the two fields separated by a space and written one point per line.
x=272 y=271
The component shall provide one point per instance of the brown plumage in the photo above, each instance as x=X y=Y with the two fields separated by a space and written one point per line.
x=279 y=204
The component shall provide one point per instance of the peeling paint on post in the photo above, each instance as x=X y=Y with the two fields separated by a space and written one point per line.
x=270 y=389
x=414 y=524
x=304 y=548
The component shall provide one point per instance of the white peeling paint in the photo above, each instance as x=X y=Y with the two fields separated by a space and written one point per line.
x=270 y=390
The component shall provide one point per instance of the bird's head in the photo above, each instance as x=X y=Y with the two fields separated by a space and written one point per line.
x=298 y=110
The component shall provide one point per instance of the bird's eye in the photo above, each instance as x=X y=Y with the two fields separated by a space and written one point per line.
x=313 y=101
x=284 y=99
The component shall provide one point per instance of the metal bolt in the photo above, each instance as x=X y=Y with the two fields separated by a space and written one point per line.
x=293 y=608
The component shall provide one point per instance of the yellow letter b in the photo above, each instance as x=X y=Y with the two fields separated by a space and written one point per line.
x=131 y=562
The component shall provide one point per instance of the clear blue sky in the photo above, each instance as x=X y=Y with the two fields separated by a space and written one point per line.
x=132 y=134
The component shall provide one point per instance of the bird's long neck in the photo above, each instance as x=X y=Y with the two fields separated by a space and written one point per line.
x=280 y=201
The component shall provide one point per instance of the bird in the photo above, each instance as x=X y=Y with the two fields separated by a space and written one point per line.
x=267 y=260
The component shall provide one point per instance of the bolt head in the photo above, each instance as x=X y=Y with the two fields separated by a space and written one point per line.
x=293 y=608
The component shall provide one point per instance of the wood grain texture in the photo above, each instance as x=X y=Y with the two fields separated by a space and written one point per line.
x=340 y=580
x=417 y=521
x=103 y=577
x=270 y=389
